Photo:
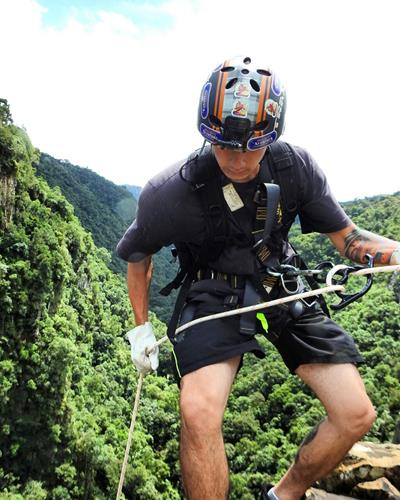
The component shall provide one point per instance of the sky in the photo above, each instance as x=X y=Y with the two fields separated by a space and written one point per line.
x=114 y=85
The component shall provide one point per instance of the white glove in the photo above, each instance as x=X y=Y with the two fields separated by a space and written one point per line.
x=142 y=339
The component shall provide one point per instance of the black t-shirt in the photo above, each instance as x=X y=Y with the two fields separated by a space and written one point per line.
x=170 y=211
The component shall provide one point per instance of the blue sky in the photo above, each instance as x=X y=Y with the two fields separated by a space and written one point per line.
x=114 y=86
x=146 y=14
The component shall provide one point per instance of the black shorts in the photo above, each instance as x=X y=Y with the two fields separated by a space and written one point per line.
x=302 y=333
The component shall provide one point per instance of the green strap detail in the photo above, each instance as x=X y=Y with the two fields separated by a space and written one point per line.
x=263 y=320
x=176 y=363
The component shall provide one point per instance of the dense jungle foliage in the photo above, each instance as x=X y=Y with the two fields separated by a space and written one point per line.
x=106 y=210
x=67 y=383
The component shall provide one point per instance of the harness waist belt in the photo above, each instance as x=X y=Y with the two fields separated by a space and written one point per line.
x=234 y=280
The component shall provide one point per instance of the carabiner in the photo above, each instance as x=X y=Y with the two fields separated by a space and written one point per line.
x=349 y=298
x=322 y=266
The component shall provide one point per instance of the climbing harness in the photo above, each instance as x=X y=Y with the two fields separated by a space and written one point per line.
x=288 y=273
x=277 y=201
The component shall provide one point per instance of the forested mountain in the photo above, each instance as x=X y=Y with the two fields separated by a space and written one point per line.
x=106 y=210
x=66 y=379
x=103 y=208
x=67 y=382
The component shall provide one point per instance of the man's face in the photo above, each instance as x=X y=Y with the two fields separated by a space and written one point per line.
x=238 y=165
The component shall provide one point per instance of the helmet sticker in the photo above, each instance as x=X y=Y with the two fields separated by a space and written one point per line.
x=209 y=134
x=279 y=112
x=276 y=86
x=271 y=107
x=239 y=108
x=262 y=141
x=242 y=89
x=205 y=100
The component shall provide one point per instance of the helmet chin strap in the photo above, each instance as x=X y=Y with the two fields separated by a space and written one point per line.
x=202 y=147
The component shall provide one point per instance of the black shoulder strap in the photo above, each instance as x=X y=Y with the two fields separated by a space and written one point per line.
x=285 y=172
x=213 y=206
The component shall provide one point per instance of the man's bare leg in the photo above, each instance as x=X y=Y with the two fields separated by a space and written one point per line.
x=350 y=415
x=204 y=394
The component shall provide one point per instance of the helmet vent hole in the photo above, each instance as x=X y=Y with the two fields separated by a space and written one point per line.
x=227 y=68
x=247 y=60
x=264 y=72
x=255 y=85
x=245 y=71
x=231 y=83
x=261 y=125
x=215 y=121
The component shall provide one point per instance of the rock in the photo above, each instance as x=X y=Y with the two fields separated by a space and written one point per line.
x=377 y=460
x=369 y=470
x=316 y=494
x=381 y=488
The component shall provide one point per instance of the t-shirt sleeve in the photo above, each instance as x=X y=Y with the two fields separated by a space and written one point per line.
x=149 y=231
x=319 y=210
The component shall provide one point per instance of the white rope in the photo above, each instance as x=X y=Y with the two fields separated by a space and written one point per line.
x=256 y=307
x=360 y=272
x=130 y=434
x=312 y=293
x=263 y=305
x=330 y=288
x=378 y=269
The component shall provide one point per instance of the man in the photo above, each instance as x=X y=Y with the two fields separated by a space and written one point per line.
x=218 y=209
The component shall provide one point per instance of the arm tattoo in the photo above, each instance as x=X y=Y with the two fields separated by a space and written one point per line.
x=310 y=437
x=358 y=243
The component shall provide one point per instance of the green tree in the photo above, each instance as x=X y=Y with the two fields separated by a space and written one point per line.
x=5 y=113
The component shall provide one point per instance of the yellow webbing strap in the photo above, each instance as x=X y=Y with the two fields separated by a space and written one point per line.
x=263 y=320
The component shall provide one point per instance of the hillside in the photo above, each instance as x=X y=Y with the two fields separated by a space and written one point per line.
x=106 y=210
x=103 y=208
x=66 y=378
x=67 y=382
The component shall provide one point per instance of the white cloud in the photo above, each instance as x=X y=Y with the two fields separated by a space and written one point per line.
x=121 y=98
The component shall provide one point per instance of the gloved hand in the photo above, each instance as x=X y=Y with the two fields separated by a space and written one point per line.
x=141 y=339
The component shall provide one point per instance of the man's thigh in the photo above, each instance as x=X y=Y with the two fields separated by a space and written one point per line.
x=338 y=386
x=210 y=385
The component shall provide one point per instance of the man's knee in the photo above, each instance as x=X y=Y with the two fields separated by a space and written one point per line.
x=200 y=414
x=357 y=421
